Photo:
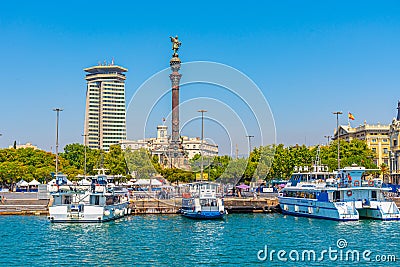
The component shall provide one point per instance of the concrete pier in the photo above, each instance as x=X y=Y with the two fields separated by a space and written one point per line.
x=22 y=204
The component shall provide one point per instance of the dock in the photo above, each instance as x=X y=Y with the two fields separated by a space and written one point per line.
x=232 y=205
x=29 y=204
x=23 y=204
x=251 y=205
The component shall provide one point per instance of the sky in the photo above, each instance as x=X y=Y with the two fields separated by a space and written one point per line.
x=308 y=58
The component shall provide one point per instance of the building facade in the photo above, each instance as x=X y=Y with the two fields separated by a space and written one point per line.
x=160 y=145
x=375 y=135
x=27 y=145
x=193 y=146
x=105 y=116
x=394 y=135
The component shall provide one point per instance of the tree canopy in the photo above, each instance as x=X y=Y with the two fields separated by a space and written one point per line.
x=265 y=163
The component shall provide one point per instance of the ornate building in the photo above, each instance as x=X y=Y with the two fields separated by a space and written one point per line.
x=160 y=145
x=375 y=135
x=394 y=135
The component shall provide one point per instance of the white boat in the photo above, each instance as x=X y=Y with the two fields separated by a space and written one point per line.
x=344 y=196
x=201 y=202
x=98 y=203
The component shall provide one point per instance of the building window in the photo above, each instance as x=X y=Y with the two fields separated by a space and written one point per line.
x=374 y=140
x=394 y=142
x=374 y=149
x=385 y=150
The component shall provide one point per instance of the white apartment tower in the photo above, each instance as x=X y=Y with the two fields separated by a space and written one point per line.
x=105 y=106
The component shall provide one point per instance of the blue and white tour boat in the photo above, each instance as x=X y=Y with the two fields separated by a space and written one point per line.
x=202 y=202
x=343 y=196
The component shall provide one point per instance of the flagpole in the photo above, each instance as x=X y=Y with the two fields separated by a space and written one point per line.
x=348 y=118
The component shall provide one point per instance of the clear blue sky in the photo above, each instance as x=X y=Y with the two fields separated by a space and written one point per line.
x=308 y=57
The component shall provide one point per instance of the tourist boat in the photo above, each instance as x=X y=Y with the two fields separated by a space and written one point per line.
x=98 y=203
x=342 y=196
x=201 y=202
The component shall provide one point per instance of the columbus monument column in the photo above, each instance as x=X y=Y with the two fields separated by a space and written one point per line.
x=176 y=151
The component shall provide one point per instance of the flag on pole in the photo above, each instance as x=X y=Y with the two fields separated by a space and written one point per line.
x=351 y=117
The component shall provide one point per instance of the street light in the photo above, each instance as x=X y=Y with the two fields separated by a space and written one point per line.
x=328 y=137
x=58 y=115
x=249 y=136
x=337 y=113
x=201 y=145
x=84 y=143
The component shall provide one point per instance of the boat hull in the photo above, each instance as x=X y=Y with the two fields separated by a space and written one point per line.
x=318 y=217
x=380 y=210
x=90 y=213
x=204 y=215
x=337 y=211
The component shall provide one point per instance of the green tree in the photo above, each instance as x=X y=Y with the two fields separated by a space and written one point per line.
x=139 y=163
x=234 y=171
x=115 y=162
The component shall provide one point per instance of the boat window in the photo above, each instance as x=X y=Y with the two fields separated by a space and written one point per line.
x=109 y=200
x=336 y=195
x=67 y=200
x=373 y=195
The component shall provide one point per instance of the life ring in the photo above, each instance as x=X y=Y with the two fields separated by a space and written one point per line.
x=370 y=183
x=349 y=193
x=357 y=183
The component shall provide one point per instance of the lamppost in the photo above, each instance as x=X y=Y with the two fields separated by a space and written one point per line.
x=84 y=143
x=201 y=145
x=337 y=113
x=58 y=115
x=249 y=136
x=328 y=137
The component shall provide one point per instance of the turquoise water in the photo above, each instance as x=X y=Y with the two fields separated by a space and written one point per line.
x=171 y=240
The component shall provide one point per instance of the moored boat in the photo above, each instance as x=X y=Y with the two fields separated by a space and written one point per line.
x=201 y=202
x=346 y=196
x=98 y=203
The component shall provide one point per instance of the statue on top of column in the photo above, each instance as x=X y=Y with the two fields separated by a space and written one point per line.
x=175 y=44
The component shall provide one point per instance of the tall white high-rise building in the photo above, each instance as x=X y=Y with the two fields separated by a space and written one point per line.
x=105 y=114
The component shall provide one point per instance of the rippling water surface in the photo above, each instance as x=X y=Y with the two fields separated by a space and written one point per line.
x=171 y=240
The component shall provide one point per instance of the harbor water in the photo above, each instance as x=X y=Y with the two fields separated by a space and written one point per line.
x=172 y=240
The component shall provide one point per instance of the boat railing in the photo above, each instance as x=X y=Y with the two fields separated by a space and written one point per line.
x=209 y=208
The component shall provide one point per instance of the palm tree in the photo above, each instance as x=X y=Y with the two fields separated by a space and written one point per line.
x=385 y=172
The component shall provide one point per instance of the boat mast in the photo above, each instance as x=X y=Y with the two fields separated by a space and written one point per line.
x=337 y=113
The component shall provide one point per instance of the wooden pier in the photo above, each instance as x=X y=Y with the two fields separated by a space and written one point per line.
x=25 y=204
x=155 y=206
x=232 y=205
x=251 y=205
